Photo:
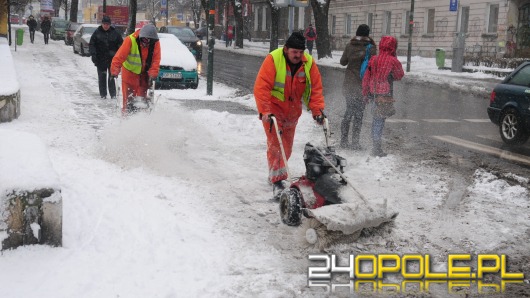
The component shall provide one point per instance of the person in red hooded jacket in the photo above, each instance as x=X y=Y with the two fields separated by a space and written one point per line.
x=139 y=57
x=378 y=79
x=287 y=77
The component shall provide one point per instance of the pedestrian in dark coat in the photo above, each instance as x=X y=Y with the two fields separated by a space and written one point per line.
x=378 y=80
x=103 y=45
x=352 y=58
x=32 y=25
x=45 y=26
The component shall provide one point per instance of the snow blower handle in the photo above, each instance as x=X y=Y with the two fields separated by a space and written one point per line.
x=327 y=132
x=275 y=123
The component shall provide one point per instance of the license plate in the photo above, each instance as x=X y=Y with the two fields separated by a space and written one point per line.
x=169 y=75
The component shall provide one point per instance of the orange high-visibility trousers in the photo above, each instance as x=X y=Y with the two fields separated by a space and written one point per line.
x=277 y=169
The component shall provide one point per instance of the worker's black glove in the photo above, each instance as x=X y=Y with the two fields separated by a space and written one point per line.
x=319 y=119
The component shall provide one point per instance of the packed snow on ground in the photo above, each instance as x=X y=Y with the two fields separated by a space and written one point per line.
x=176 y=203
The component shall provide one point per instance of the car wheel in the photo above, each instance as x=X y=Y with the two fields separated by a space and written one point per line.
x=512 y=127
x=195 y=85
x=82 y=50
x=73 y=46
x=291 y=207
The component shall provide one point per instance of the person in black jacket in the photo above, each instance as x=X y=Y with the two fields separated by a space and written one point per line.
x=45 y=26
x=32 y=25
x=103 y=45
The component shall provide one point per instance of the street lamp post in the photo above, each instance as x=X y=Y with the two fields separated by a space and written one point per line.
x=211 y=20
x=411 y=26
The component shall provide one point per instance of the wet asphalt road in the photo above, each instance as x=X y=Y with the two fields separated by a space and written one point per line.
x=432 y=121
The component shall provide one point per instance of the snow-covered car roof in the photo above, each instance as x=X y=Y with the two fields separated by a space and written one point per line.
x=175 y=53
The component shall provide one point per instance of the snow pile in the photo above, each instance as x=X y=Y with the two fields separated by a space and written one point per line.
x=25 y=163
x=8 y=75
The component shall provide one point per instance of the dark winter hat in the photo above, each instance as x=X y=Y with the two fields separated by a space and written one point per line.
x=296 y=41
x=106 y=19
x=363 y=30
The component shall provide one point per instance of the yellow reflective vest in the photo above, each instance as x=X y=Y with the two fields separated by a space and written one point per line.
x=281 y=73
x=134 y=60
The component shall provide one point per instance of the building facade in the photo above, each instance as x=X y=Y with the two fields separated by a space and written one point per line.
x=495 y=28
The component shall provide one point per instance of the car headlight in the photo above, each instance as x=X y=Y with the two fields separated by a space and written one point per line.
x=199 y=43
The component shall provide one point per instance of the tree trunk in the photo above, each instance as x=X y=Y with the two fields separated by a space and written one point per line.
x=275 y=20
x=205 y=7
x=133 y=7
x=66 y=10
x=73 y=10
x=320 y=13
x=238 y=15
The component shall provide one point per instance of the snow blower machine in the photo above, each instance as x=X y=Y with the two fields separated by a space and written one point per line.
x=335 y=209
x=137 y=104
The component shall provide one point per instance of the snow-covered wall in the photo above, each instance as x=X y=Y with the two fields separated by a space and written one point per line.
x=8 y=75
x=30 y=198
x=9 y=87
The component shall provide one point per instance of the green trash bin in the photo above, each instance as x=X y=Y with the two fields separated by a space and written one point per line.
x=440 y=58
x=20 y=36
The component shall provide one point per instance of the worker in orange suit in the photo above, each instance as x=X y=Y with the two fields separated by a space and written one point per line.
x=287 y=77
x=139 y=57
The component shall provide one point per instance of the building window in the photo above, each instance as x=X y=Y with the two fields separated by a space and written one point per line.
x=493 y=18
x=387 y=22
x=301 y=18
x=464 y=19
x=256 y=18
x=348 y=24
x=430 y=21
x=406 y=21
x=333 y=24
x=264 y=19
x=369 y=20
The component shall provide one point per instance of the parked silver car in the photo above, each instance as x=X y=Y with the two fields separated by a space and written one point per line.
x=82 y=38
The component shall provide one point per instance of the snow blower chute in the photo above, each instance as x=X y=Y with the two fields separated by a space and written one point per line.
x=334 y=207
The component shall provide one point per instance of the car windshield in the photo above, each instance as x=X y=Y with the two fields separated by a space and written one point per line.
x=181 y=31
x=522 y=77
x=89 y=30
x=74 y=26
x=60 y=24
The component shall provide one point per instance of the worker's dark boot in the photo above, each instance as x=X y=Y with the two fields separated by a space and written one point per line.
x=277 y=188
x=377 y=150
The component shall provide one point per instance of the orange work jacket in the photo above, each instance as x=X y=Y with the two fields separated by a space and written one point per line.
x=122 y=54
x=289 y=110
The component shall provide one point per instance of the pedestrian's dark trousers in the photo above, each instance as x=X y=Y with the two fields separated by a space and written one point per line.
x=103 y=79
x=46 y=37
x=354 y=109
x=32 y=35
x=309 y=44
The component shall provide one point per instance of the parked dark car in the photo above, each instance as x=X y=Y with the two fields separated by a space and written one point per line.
x=202 y=32
x=69 y=33
x=509 y=106
x=187 y=37
x=82 y=38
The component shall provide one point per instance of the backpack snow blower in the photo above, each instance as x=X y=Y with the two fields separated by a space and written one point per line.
x=322 y=195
